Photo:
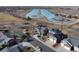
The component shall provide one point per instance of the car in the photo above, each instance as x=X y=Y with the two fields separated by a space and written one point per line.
x=29 y=39
x=39 y=48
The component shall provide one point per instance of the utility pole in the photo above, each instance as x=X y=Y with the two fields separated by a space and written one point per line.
x=62 y=24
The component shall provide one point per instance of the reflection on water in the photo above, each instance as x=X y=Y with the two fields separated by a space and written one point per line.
x=39 y=13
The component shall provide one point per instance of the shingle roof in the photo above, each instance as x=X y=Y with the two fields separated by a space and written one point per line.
x=73 y=41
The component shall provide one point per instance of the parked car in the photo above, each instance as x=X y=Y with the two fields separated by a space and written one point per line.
x=39 y=48
x=30 y=39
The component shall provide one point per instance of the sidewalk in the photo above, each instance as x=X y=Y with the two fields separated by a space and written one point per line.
x=49 y=44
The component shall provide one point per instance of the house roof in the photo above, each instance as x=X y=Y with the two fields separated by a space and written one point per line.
x=74 y=33
x=2 y=37
x=5 y=49
x=73 y=41
x=14 y=49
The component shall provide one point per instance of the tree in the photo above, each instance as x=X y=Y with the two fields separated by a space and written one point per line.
x=28 y=18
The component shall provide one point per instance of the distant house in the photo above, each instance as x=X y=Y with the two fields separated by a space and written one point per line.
x=20 y=47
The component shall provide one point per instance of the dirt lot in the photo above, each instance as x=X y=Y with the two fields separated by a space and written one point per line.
x=8 y=19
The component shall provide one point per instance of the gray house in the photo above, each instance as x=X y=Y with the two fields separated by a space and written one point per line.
x=71 y=43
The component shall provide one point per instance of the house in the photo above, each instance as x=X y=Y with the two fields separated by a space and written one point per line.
x=6 y=40
x=42 y=29
x=21 y=47
x=71 y=43
x=12 y=42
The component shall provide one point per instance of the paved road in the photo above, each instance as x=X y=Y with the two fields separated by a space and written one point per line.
x=44 y=47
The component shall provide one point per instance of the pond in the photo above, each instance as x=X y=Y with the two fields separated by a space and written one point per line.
x=51 y=17
x=39 y=13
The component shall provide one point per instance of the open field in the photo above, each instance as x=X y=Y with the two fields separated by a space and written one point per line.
x=15 y=24
x=9 y=19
